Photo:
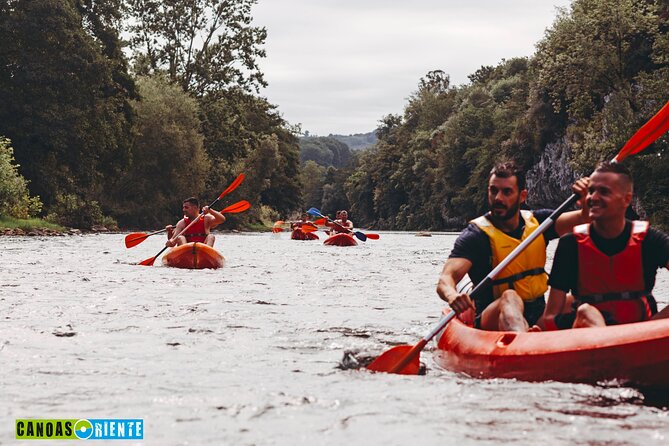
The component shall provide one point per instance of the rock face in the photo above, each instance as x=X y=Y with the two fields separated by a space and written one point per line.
x=549 y=181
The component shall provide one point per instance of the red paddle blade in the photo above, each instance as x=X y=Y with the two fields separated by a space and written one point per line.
x=148 y=262
x=653 y=129
x=240 y=206
x=388 y=360
x=373 y=236
x=233 y=185
x=320 y=222
x=135 y=239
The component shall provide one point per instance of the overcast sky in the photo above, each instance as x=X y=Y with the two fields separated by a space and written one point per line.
x=339 y=66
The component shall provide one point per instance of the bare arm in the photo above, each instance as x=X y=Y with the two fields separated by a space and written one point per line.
x=172 y=233
x=566 y=222
x=213 y=218
x=454 y=270
x=554 y=306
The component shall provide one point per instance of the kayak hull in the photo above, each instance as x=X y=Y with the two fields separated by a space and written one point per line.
x=635 y=354
x=340 y=239
x=298 y=234
x=193 y=256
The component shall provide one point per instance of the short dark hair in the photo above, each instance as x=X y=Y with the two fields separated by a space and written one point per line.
x=508 y=169
x=193 y=201
x=617 y=168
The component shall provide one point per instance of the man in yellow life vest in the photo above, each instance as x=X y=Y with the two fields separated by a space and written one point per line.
x=515 y=301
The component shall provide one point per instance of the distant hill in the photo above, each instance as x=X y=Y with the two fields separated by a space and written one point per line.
x=358 y=141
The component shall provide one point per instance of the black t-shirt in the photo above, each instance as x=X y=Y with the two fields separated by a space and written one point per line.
x=654 y=255
x=474 y=245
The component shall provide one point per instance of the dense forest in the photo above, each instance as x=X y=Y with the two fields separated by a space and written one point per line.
x=100 y=129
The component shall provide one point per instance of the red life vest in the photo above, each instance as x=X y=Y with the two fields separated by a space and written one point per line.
x=195 y=233
x=613 y=284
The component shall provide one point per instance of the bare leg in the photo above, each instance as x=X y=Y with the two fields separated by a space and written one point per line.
x=210 y=240
x=505 y=314
x=181 y=240
x=588 y=316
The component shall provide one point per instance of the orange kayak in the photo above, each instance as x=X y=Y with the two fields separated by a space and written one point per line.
x=298 y=234
x=636 y=354
x=341 y=239
x=193 y=256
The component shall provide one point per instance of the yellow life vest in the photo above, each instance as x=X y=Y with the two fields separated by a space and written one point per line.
x=526 y=274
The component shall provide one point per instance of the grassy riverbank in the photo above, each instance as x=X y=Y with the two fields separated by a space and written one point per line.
x=31 y=224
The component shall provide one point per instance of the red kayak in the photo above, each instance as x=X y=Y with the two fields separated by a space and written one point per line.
x=299 y=234
x=193 y=256
x=341 y=239
x=637 y=354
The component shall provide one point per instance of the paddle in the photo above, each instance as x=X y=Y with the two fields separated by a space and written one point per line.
x=405 y=359
x=135 y=238
x=233 y=186
x=363 y=237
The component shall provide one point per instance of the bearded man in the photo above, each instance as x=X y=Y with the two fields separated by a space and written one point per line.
x=515 y=300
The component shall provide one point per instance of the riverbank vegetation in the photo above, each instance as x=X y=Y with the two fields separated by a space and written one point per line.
x=104 y=136
x=598 y=75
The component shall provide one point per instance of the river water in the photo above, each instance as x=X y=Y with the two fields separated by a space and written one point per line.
x=248 y=354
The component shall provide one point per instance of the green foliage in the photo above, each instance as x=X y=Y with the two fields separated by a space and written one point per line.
x=15 y=200
x=65 y=96
x=76 y=212
x=599 y=74
x=312 y=178
x=355 y=142
x=325 y=151
x=206 y=46
x=169 y=162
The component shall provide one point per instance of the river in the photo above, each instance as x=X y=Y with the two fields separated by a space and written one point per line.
x=248 y=354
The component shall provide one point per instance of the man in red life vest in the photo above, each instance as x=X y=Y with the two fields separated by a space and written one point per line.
x=198 y=232
x=610 y=264
x=515 y=301
x=298 y=233
x=342 y=223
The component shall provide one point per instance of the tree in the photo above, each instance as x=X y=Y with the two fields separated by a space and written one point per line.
x=206 y=46
x=65 y=99
x=169 y=162
x=15 y=200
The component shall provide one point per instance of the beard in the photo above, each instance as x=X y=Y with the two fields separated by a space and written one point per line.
x=508 y=213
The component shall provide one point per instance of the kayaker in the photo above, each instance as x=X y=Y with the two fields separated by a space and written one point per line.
x=200 y=231
x=610 y=264
x=516 y=300
x=304 y=219
x=298 y=233
x=341 y=223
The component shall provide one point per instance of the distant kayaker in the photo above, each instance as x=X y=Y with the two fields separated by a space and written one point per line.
x=200 y=231
x=610 y=264
x=341 y=223
x=516 y=300
x=301 y=229
x=304 y=219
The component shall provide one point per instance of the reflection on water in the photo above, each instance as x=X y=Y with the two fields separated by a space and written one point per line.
x=249 y=354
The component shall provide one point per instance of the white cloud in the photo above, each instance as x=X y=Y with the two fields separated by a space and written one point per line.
x=340 y=66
